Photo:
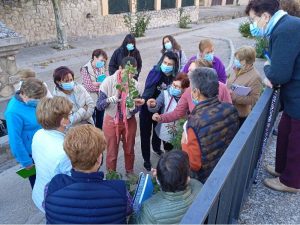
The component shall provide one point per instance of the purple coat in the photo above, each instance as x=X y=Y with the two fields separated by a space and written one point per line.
x=217 y=65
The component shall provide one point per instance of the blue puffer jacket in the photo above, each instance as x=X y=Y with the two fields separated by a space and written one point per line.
x=21 y=125
x=85 y=198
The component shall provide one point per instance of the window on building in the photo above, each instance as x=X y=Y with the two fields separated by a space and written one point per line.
x=144 y=5
x=185 y=3
x=118 y=6
x=168 y=4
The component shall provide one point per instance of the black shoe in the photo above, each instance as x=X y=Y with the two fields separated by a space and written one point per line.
x=158 y=153
x=147 y=166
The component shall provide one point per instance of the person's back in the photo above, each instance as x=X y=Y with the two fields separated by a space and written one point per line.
x=177 y=191
x=85 y=198
x=169 y=207
x=47 y=153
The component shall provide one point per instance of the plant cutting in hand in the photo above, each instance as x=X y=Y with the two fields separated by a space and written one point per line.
x=127 y=85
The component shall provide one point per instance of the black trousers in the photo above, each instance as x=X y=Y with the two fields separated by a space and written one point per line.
x=98 y=118
x=147 y=126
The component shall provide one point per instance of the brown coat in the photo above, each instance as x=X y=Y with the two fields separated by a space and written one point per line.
x=252 y=79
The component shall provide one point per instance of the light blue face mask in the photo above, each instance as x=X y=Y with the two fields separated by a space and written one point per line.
x=130 y=46
x=166 y=69
x=68 y=86
x=100 y=64
x=101 y=78
x=168 y=45
x=174 y=91
x=195 y=101
x=32 y=102
x=237 y=64
x=209 y=57
x=255 y=30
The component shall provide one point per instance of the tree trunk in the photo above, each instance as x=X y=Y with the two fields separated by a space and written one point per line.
x=60 y=29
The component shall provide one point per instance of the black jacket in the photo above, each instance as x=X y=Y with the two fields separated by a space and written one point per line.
x=121 y=53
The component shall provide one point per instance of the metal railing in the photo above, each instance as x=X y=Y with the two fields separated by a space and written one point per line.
x=223 y=194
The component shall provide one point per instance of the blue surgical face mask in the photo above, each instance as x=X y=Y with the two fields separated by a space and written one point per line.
x=168 y=45
x=130 y=47
x=100 y=64
x=255 y=30
x=166 y=69
x=32 y=102
x=101 y=78
x=209 y=57
x=68 y=86
x=195 y=101
x=237 y=64
x=174 y=91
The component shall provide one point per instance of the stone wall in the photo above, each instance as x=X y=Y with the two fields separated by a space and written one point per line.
x=34 y=19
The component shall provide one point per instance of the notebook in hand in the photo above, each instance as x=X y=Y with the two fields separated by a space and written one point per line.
x=143 y=191
x=26 y=173
x=240 y=90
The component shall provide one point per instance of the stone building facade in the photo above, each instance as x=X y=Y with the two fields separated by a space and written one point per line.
x=34 y=19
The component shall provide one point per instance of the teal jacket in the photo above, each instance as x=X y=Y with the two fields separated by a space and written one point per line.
x=167 y=207
x=21 y=126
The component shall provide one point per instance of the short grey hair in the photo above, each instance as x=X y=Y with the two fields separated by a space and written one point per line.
x=206 y=81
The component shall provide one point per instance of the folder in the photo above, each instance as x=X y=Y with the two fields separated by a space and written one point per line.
x=26 y=173
x=143 y=191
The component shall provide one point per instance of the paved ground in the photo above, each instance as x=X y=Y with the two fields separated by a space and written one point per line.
x=15 y=199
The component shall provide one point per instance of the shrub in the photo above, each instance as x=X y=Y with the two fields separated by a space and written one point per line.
x=244 y=29
x=184 y=20
x=137 y=24
x=261 y=44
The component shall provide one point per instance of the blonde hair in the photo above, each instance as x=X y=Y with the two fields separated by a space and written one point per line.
x=205 y=43
x=33 y=88
x=246 y=53
x=50 y=111
x=26 y=73
x=202 y=63
x=84 y=144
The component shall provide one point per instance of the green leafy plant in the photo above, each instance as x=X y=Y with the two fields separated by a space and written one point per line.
x=184 y=20
x=130 y=183
x=113 y=175
x=137 y=24
x=176 y=141
x=128 y=83
x=261 y=45
x=244 y=29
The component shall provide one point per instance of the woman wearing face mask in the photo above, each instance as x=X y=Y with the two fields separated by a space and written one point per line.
x=167 y=102
x=282 y=69
x=83 y=104
x=185 y=104
x=93 y=74
x=22 y=123
x=245 y=75
x=128 y=48
x=158 y=79
x=170 y=44
x=47 y=144
x=206 y=52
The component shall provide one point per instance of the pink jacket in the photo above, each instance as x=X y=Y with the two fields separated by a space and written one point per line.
x=186 y=104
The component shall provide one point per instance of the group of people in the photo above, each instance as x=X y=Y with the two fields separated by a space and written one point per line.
x=64 y=134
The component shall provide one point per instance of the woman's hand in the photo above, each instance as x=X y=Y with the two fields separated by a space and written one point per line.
x=268 y=83
x=139 y=101
x=184 y=138
x=151 y=103
x=156 y=117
